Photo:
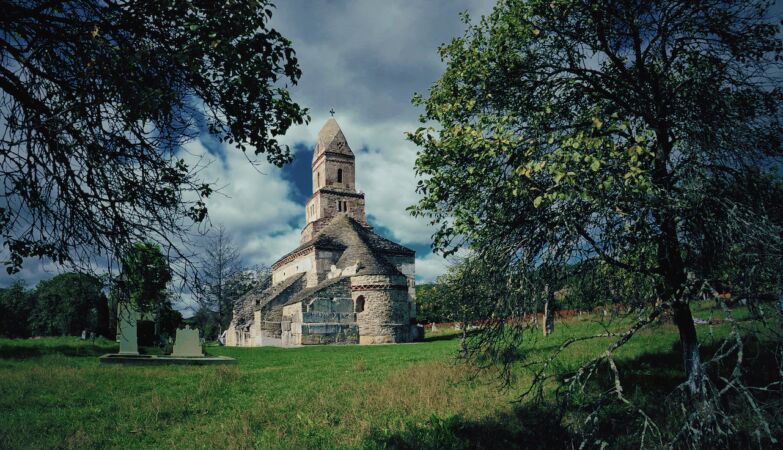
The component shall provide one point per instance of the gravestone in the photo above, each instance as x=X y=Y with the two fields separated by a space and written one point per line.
x=187 y=343
x=126 y=319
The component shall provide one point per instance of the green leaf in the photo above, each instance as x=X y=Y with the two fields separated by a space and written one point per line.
x=537 y=201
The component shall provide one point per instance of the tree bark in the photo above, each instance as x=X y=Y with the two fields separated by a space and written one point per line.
x=674 y=279
x=689 y=341
x=672 y=266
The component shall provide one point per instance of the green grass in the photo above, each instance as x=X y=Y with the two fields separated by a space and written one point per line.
x=54 y=394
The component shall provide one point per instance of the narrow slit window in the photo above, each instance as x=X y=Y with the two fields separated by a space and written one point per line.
x=339 y=175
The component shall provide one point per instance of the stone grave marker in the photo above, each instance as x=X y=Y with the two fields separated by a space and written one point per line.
x=127 y=318
x=187 y=343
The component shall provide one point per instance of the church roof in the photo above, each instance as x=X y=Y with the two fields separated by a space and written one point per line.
x=344 y=233
x=309 y=292
x=259 y=298
x=331 y=139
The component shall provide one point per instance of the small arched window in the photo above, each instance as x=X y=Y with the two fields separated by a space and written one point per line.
x=359 y=304
x=339 y=175
x=318 y=180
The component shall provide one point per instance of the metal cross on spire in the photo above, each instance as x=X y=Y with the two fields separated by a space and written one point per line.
x=331 y=111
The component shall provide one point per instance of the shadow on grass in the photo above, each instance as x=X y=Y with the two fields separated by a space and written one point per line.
x=525 y=427
x=449 y=336
x=444 y=337
x=29 y=351
x=648 y=382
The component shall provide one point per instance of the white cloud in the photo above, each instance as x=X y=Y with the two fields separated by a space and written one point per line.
x=264 y=249
x=430 y=267
x=254 y=204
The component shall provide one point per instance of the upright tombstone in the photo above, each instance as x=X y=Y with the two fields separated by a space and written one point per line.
x=187 y=343
x=126 y=320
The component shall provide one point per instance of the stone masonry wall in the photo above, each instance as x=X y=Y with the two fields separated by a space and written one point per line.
x=326 y=318
x=324 y=259
x=407 y=265
x=326 y=169
x=386 y=315
x=304 y=263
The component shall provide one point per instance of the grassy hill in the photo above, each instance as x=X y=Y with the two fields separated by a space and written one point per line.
x=53 y=393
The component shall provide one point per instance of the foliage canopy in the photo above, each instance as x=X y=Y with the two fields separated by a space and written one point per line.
x=96 y=99
x=644 y=134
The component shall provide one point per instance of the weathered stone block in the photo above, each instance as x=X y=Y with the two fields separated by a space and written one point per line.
x=187 y=343
x=310 y=339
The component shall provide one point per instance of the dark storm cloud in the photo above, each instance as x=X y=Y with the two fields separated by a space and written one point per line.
x=369 y=57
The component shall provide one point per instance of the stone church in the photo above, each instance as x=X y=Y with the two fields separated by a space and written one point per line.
x=344 y=284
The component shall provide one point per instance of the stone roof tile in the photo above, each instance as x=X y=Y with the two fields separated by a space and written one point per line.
x=332 y=139
x=339 y=231
x=254 y=299
x=309 y=292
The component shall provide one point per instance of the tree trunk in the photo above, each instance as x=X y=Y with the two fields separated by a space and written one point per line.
x=673 y=284
x=549 y=315
x=689 y=342
x=672 y=266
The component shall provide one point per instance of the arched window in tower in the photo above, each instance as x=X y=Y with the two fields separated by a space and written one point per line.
x=359 y=304
x=318 y=180
x=339 y=175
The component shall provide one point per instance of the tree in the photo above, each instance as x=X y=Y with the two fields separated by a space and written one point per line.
x=144 y=278
x=612 y=130
x=168 y=320
x=143 y=286
x=16 y=304
x=220 y=264
x=96 y=99
x=430 y=304
x=66 y=305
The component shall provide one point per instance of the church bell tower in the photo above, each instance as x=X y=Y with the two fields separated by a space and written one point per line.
x=334 y=182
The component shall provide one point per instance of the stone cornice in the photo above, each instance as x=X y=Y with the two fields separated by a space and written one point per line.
x=338 y=156
x=341 y=193
x=290 y=257
x=328 y=191
x=379 y=287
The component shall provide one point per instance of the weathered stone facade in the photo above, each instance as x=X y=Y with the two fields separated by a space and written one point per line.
x=344 y=284
x=386 y=313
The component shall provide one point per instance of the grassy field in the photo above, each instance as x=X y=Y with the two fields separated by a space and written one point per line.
x=54 y=394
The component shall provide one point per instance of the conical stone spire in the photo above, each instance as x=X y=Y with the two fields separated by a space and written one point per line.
x=331 y=139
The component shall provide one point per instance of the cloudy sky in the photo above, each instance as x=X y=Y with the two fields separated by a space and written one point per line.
x=365 y=59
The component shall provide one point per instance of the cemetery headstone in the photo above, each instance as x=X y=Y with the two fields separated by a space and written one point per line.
x=127 y=329
x=187 y=343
